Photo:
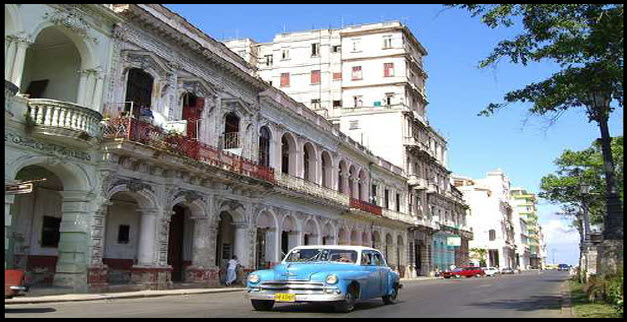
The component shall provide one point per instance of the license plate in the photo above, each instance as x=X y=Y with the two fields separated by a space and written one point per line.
x=284 y=297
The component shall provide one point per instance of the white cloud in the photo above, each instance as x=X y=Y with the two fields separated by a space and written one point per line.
x=562 y=241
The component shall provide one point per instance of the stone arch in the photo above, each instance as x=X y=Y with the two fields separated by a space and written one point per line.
x=328 y=234
x=12 y=20
x=310 y=162
x=73 y=176
x=290 y=232
x=326 y=166
x=289 y=154
x=362 y=190
x=311 y=232
x=265 y=146
x=85 y=49
x=376 y=240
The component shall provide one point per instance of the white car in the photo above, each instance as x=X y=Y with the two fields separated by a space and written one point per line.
x=491 y=271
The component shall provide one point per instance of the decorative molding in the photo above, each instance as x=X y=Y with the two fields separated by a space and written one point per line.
x=73 y=19
x=48 y=148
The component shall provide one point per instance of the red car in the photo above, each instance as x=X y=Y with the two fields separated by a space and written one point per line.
x=14 y=283
x=467 y=271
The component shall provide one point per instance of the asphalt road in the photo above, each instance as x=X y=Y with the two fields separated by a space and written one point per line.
x=531 y=294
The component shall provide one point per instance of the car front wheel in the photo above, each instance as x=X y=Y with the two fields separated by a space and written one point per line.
x=262 y=305
x=348 y=304
x=391 y=299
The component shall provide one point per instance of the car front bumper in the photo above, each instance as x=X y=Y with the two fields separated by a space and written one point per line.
x=269 y=296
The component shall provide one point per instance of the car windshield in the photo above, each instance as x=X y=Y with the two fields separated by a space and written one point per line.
x=322 y=254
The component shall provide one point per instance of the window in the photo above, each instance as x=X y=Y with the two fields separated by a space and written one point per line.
x=387 y=198
x=356 y=73
x=285 y=54
x=388 y=98
x=285 y=79
x=315 y=50
x=353 y=125
x=336 y=49
x=50 y=231
x=356 y=43
x=387 y=42
x=315 y=103
x=398 y=202
x=358 y=100
x=337 y=76
x=492 y=234
x=268 y=60
x=337 y=104
x=388 y=69
x=123 y=234
x=315 y=76
x=373 y=198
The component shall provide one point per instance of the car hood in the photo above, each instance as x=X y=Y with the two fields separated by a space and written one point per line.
x=304 y=271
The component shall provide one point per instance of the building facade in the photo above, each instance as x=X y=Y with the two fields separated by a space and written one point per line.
x=492 y=217
x=365 y=78
x=164 y=155
x=525 y=211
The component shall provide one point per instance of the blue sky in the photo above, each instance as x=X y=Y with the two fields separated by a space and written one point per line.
x=457 y=90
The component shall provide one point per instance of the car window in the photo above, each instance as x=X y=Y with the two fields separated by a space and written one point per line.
x=366 y=258
x=322 y=254
x=377 y=259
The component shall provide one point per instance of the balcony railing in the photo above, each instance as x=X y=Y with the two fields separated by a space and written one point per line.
x=58 y=114
x=145 y=133
x=231 y=140
x=301 y=185
x=397 y=215
x=365 y=206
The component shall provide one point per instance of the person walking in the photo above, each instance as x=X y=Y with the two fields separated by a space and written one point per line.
x=231 y=270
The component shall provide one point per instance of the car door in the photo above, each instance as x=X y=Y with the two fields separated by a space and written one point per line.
x=383 y=271
x=368 y=264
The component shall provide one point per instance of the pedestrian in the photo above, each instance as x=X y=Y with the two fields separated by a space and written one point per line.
x=231 y=274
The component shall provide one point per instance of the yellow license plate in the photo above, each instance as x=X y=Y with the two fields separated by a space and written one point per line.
x=284 y=297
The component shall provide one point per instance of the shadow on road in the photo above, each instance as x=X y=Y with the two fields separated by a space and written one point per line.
x=29 y=310
x=531 y=304
x=326 y=308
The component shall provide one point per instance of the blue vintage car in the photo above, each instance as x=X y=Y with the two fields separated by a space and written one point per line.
x=341 y=275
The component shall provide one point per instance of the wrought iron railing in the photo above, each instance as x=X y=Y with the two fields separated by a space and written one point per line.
x=231 y=140
x=365 y=206
x=146 y=133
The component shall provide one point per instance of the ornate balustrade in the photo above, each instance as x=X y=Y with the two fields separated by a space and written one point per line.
x=301 y=185
x=365 y=206
x=53 y=113
x=146 y=133
x=395 y=215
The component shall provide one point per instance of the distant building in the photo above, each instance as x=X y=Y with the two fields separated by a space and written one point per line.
x=527 y=238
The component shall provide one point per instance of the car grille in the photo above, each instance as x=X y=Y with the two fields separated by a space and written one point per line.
x=293 y=286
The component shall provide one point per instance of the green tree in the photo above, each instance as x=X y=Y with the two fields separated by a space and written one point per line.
x=480 y=255
x=586 y=40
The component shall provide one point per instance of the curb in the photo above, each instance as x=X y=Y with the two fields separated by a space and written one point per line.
x=108 y=296
x=567 y=307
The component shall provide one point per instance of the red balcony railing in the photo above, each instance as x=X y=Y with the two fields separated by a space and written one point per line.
x=365 y=206
x=146 y=133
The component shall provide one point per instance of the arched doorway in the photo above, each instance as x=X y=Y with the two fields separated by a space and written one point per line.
x=309 y=162
x=122 y=235
x=328 y=236
x=376 y=240
x=139 y=91
x=310 y=233
x=35 y=226
x=225 y=241
x=58 y=80
x=264 y=146
x=231 y=132
x=266 y=230
x=180 y=241
x=289 y=235
x=326 y=170
x=192 y=110
x=288 y=154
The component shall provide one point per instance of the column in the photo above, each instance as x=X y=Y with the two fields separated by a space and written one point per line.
x=147 y=241
x=10 y=48
x=73 y=252
x=18 y=63
x=272 y=246
x=8 y=241
x=83 y=85
x=242 y=243
x=202 y=243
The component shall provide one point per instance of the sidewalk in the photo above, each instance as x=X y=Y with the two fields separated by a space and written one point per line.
x=148 y=293
x=118 y=295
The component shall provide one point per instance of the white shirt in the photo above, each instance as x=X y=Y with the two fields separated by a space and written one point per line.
x=233 y=264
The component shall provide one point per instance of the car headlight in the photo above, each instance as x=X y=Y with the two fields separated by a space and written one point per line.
x=253 y=278
x=332 y=279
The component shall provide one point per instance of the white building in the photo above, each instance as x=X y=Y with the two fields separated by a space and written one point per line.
x=369 y=81
x=226 y=165
x=492 y=219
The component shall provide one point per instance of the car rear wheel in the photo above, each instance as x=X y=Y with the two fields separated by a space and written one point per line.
x=391 y=299
x=262 y=305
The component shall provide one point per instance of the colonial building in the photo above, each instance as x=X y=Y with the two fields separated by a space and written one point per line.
x=162 y=154
x=366 y=78
x=492 y=216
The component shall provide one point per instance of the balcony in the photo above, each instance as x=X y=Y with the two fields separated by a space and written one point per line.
x=365 y=206
x=417 y=183
x=131 y=129
x=63 y=122
x=398 y=216
x=10 y=90
x=308 y=187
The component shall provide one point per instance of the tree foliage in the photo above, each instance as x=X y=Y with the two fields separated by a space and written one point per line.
x=576 y=168
x=586 y=40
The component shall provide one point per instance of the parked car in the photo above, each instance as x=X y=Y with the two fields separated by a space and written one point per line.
x=508 y=270
x=14 y=283
x=490 y=271
x=341 y=275
x=456 y=272
x=563 y=267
